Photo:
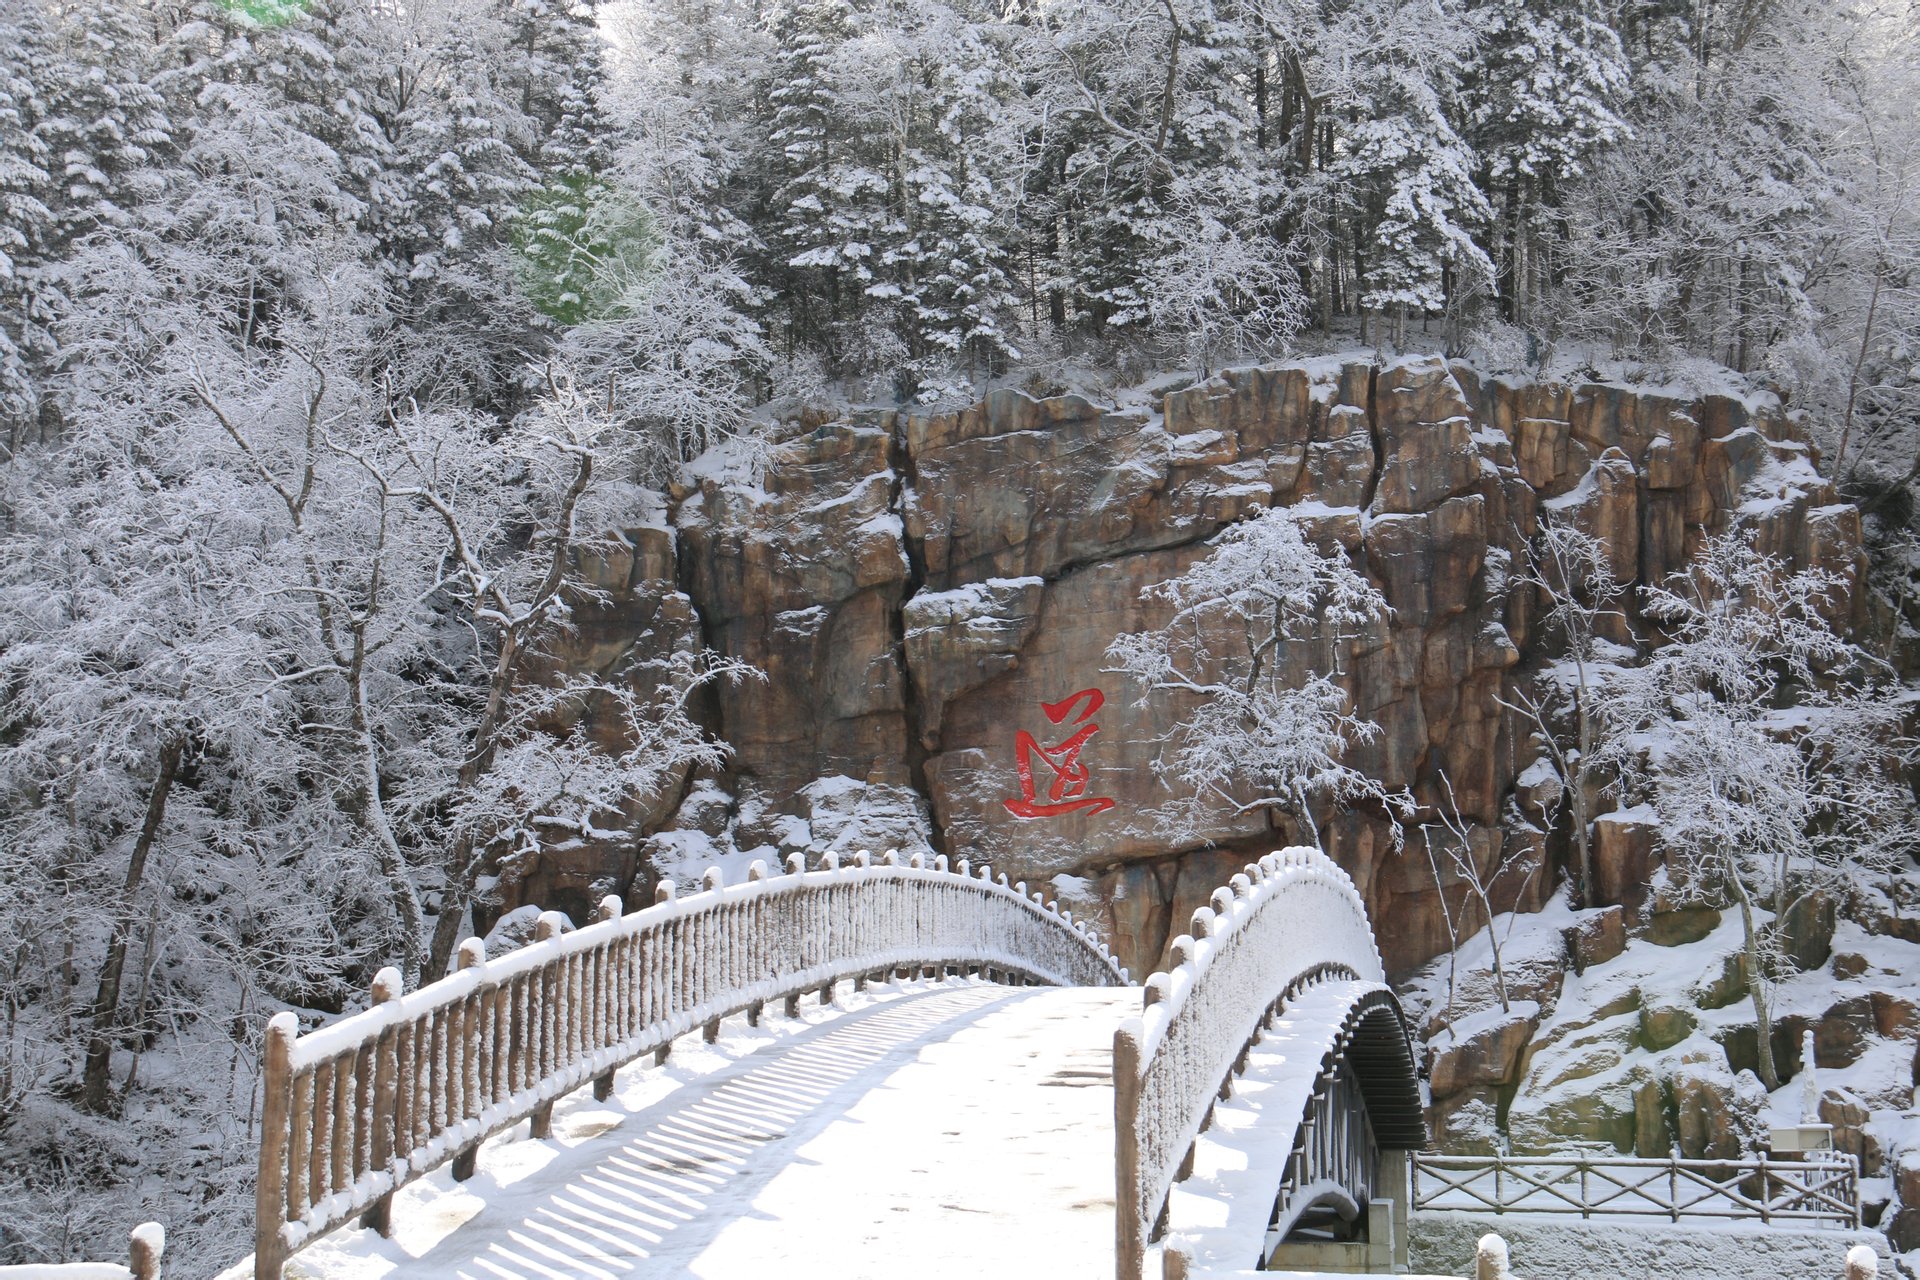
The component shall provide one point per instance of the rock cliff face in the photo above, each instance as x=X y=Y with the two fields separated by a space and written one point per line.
x=930 y=591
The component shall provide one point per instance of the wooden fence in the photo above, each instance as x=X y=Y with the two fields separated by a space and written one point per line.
x=1272 y=926
x=145 y=1246
x=358 y=1109
x=1823 y=1192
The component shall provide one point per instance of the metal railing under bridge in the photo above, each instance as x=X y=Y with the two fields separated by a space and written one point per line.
x=1820 y=1191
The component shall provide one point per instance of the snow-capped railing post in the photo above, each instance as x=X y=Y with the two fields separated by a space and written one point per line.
x=1293 y=914
x=473 y=953
x=276 y=1133
x=356 y=1110
x=386 y=987
x=146 y=1245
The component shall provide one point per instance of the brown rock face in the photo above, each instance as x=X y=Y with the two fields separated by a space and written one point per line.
x=1623 y=858
x=804 y=577
x=933 y=594
x=1597 y=939
x=1485 y=1055
x=1716 y=1113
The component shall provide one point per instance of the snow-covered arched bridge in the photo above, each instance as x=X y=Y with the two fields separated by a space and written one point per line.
x=1014 y=1107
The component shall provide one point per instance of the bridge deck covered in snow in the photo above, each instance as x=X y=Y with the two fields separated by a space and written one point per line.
x=927 y=1130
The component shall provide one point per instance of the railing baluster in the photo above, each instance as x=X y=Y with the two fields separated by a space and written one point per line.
x=297 y=1149
x=344 y=1108
x=320 y=1153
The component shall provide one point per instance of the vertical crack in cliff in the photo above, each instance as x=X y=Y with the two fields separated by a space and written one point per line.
x=1372 y=406
x=900 y=459
x=706 y=707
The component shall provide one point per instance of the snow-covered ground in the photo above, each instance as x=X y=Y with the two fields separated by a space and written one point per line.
x=1552 y=1247
x=949 y=1129
x=1597 y=1013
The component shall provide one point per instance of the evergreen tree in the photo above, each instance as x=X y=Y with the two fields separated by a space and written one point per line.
x=1542 y=100
x=27 y=62
x=1414 y=176
x=459 y=184
x=824 y=203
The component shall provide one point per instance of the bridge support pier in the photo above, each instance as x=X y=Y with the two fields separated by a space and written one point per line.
x=1395 y=1186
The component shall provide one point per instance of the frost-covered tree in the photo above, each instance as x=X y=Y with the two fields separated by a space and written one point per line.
x=27 y=68
x=501 y=531
x=1253 y=644
x=1585 y=605
x=1771 y=754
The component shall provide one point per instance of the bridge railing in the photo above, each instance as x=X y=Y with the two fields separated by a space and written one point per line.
x=1274 y=925
x=1823 y=1192
x=358 y=1109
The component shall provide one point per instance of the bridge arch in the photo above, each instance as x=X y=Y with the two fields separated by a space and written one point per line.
x=1286 y=945
x=1363 y=1101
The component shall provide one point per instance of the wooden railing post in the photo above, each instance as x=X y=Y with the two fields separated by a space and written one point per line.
x=145 y=1247
x=276 y=1110
x=1490 y=1258
x=552 y=994
x=603 y=1083
x=386 y=1067
x=473 y=953
x=1130 y=1243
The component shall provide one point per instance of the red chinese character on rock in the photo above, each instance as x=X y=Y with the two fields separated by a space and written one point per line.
x=1067 y=792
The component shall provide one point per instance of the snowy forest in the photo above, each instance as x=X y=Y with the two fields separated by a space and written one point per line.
x=335 y=335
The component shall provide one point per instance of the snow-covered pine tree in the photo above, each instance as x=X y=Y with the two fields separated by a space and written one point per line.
x=578 y=220
x=27 y=62
x=461 y=183
x=1542 y=96
x=923 y=70
x=825 y=202
x=1413 y=175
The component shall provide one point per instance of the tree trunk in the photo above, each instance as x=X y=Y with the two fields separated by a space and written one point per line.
x=1582 y=822
x=96 y=1087
x=1757 y=989
x=1173 y=74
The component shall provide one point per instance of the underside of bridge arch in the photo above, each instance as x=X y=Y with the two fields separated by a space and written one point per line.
x=1380 y=1050
x=1342 y=1204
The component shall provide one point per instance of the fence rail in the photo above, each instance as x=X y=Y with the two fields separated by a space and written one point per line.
x=1291 y=914
x=356 y=1110
x=1822 y=1192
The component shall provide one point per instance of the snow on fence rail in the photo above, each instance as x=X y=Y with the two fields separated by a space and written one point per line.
x=356 y=1110
x=1291 y=914
x=1822 y=1192
x=145 y=1245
